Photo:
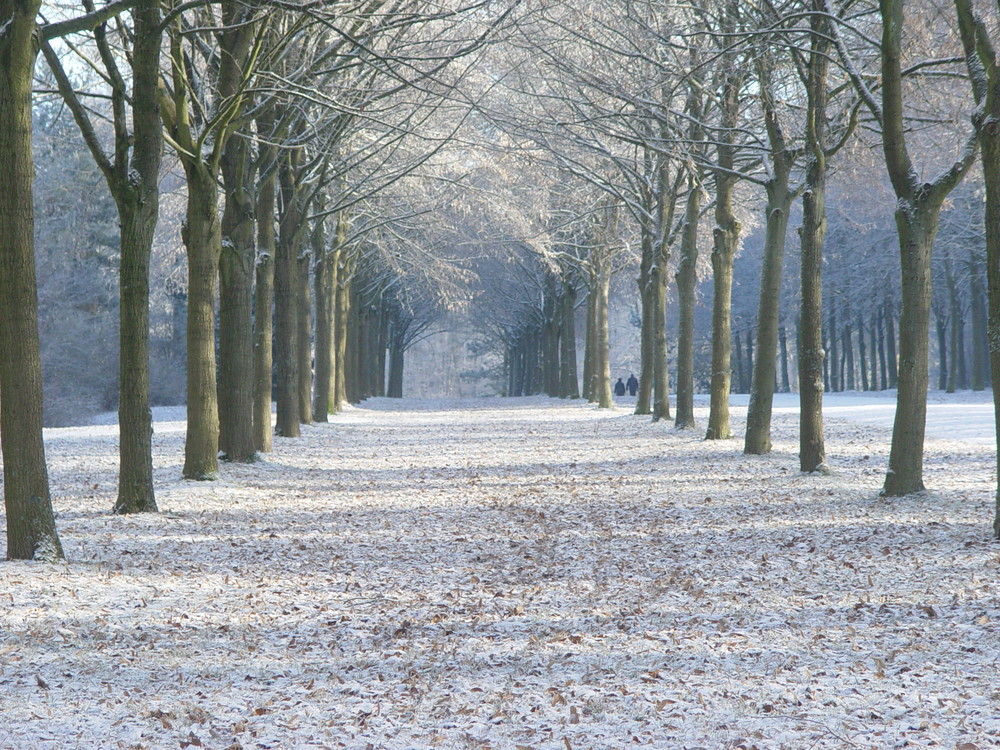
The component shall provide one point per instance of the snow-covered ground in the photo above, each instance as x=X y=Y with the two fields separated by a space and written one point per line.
x=522 y=573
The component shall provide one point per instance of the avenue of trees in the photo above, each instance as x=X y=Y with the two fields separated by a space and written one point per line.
x=276 y=201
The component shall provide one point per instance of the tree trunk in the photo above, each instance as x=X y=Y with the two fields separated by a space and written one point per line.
x=955 y=325
x=979 y=47
x=590 y=343
x=340 y=321
x=883 y=371
x=758 y=434
x=263 y=304
x=786 y=386
x=873 y=353
x=31 y=528
x=602 y=365
x=381 y=346
x=941 y=326
x=661 y=376
x=862 y=353
x=890 y=343
x=569 y=387
x=980 y=343
x=203 y=240
x=812 y=234
x=303 y=336
x=812 y=450
x=725 y=238
x=323 y=294
x=918 y=205
x=285 y=303
x=236 y=276
x=835 y=382
x=550 y=339
x=989 y=139
x=738 y=363
x=138 y=225
x=849 y=358
x=396 y=353
x=686 y=279
x=647 y=296
x=906 y=456
x=352 y=360
x=990 y=144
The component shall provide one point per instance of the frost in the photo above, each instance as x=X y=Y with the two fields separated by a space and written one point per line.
x=516 y=572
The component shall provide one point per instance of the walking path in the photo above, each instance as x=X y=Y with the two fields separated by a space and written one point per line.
x=511 y=574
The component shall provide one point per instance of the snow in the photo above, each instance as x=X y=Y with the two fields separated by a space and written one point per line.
x=516 y=573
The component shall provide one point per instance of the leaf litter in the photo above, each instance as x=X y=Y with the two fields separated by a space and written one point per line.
x=510 y=574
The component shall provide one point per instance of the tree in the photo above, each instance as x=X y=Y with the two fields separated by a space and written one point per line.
x=726 y=233
x=919 y=203
x=31 y=530
x=984 y=67
x=132 y=173
x=812 y=451
x=199 y=132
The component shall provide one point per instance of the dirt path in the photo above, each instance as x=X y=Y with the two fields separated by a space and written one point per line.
x=509 y=574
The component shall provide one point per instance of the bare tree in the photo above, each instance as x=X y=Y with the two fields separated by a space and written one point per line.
x=919 y=203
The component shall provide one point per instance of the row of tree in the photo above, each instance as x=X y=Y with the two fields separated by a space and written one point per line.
x=670 y=112
x=336 y=157
x=284 y=119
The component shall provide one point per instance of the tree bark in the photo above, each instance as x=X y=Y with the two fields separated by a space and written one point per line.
x=883 y=370
x=661 y=375
x=138 y=222
x=602 y=365
x=569 y=387
x=285 y=302
x=980 y=342
x=647 y=295
x=758 y=434
x=957 y=376
x=918 y=206
x=31 y=528
x=849 y=368
x=202 y=235
x=812 y=450
x=342 y=311
x=941 y=325
x=132 y=175
x=236 y=276
x=725 y=238
x=590 y=343
x=981 y=53
x=812 y=234
x=786 y=386
x=906 y=456
x=862 y=353
x=323 y=295
x=835 y=382
x=686 y=279
x=396 y=354
x=263 y=304
x=303 y=335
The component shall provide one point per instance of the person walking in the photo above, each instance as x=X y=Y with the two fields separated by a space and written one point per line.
x=632 y=385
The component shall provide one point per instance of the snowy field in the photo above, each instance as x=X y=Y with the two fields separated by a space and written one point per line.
x=515 y=574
